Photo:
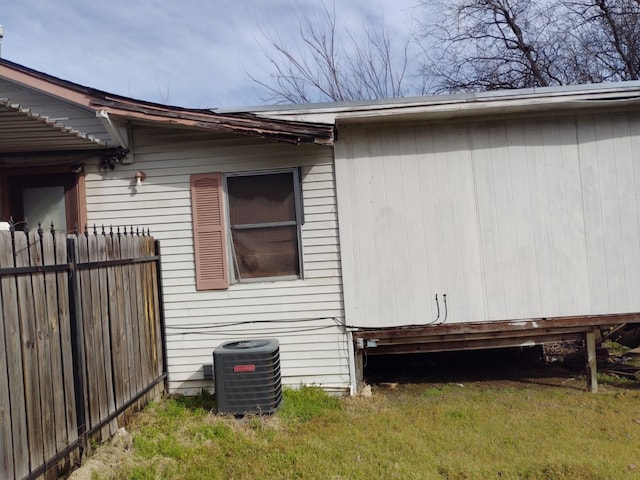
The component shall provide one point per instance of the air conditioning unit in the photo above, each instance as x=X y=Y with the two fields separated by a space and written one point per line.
x=247 y=376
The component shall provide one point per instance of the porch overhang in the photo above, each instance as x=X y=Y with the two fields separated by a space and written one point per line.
x=22 y=131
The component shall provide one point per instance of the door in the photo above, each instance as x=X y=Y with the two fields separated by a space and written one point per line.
x=46 y=198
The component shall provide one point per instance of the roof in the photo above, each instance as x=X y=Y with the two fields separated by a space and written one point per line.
x=125 y=108
x=22 y=130
x=473 y=104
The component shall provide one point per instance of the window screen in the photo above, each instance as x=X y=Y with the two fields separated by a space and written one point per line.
x=264 y=227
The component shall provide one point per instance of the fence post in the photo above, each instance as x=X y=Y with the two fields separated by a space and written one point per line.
x=163 y=335
x=77 y=349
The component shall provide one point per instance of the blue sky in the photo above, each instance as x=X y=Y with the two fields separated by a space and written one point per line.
x=192 y=53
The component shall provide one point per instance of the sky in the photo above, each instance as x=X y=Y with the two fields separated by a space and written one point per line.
x=190 y=53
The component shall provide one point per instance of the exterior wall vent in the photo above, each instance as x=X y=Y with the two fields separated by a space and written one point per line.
x=247 y=376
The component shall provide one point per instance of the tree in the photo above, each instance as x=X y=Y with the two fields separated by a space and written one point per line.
x=328 y=63
x=498 y=44
x=466 y=45
x=606 y=35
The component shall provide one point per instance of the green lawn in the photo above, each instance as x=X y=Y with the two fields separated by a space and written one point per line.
x=529 y=429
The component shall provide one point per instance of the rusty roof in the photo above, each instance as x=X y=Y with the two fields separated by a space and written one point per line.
x=132 y=109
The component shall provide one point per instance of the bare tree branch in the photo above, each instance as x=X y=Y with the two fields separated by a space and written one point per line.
x=331 y=64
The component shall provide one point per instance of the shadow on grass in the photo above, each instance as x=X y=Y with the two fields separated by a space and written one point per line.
x=203 y=401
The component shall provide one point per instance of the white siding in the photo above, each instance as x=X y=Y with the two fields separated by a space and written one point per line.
x=510 y=219
x=306 y=315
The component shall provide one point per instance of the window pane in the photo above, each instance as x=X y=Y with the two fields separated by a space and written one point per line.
x=261 y=199
x=266 y=252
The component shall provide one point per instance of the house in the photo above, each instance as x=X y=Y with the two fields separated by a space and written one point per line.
x=484 y=220
x=79 y=156
x=345 y=230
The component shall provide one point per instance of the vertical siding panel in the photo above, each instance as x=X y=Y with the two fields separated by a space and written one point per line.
x=488 y=223
x=558 y=218
x=428 y=176
x=398 y=214
x=416 y=228
x=452 y=284
x=542 y=235
x=363 y=224
x=593 y=213
x=345 y=166
x=633 y=145
x=626 y=206
x=507 y=239
x=381 y=274
x=467 y=224
x=614 y=257
x=575 y=247
x=356 y=208
x=520 y=157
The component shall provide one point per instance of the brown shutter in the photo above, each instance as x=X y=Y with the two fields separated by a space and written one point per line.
x=209 y=233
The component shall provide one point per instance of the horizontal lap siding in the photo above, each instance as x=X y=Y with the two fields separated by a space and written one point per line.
x=511 y=219
x=305 y=315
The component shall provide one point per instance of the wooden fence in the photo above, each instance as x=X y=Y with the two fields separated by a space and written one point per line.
x=81 y=343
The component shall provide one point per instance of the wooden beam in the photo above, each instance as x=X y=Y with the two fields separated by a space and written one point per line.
x=601 y=321
x=495 y=335
x=592 y=367
x=482 y=344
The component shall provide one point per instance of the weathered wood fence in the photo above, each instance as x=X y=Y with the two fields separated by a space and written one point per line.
x=81 y=342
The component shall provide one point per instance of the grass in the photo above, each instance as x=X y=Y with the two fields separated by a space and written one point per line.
x=477 y=430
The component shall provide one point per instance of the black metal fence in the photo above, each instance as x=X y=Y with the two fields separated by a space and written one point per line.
x=81 y=342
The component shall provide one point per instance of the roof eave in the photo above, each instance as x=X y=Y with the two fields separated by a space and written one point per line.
x=131 y=109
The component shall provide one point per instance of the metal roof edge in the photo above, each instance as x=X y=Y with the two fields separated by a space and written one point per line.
x=459 y=102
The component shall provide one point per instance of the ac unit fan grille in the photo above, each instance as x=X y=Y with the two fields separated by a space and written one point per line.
x=247 y=379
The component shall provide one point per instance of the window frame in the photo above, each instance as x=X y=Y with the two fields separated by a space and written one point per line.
x=233 y=270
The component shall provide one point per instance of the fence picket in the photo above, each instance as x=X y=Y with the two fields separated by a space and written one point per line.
x=92 y=399
x=26 y=314
x=66 y=357
x=128 y=316
x=43 y=346
x=6 y=439
x=13 y=354
x=106 y=334
x=138 y=271
x=52 y=324
x=149 y=318
x=116 y=331
x=99 y=382
x=156 y=326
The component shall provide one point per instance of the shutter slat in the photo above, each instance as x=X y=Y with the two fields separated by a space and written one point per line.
x=209 y=232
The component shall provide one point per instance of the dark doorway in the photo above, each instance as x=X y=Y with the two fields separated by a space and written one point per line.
x=44 y=197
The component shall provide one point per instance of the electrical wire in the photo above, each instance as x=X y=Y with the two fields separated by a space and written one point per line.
x=446 y=309
x=216 y=330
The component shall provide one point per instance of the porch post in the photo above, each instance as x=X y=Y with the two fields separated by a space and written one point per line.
x=592 y=367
